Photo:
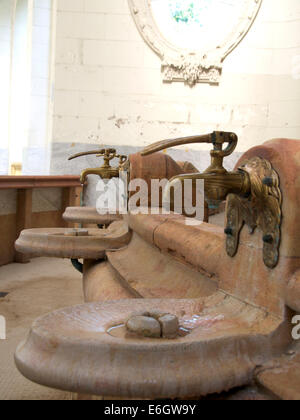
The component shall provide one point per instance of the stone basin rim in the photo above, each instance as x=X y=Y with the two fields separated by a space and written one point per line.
x=54 y=242
x=106 y=338
x=59 y=232
x=114 y=361
x=90 y=215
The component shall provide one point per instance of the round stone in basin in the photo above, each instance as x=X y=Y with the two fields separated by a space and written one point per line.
x=72 y=349
x=89 y=215
x=73 y=243
x=144 y=326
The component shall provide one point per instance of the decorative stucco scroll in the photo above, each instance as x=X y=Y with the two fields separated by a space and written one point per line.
x=191 y=66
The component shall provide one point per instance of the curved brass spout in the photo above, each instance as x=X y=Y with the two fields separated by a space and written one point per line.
x=252 y=192
x=216 y=186
x=218 y=182
x=105 y=171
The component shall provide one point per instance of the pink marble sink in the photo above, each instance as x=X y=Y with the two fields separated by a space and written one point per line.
x=61 y=243
x=71 y=349
x=89 y=215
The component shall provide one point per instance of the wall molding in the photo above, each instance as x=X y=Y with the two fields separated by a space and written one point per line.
x=191 y=66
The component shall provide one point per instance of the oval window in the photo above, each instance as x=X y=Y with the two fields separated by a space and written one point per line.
x=199 y=24
x=193 y=37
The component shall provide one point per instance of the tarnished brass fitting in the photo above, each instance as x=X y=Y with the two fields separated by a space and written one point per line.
x=218 y=181
x=252 y=192
x=106 y=171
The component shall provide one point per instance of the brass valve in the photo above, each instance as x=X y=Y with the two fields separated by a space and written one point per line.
x=106 y=171
x=218 y=181
x=253 y=194
x=217 y=138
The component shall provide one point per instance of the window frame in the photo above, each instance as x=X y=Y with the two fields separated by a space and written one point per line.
x=190 y=66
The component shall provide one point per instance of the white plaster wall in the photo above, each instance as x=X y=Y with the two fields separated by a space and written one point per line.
x=109 y=89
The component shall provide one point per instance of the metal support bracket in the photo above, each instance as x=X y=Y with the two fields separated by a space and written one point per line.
x=261 y=209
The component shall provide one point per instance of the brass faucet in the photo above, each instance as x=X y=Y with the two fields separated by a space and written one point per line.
x=218 y=182
x=252 y=191
x=105 y=171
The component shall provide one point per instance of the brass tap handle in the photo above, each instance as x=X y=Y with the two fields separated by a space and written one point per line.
x=166 y=144
x=221 y=137
x=107 y=154
x=98 y=153
x=122 y=159
x=217 y=138
x=106 y=171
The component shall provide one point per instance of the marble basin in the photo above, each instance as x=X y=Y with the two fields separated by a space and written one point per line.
x=71 y=349
x=89 y=215
x=65 y=243
x=240 y=310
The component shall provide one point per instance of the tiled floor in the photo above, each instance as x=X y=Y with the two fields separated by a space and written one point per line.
x=33 y=289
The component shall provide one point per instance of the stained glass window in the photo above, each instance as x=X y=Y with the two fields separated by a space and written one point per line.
x=196 y=24
x=188 y=11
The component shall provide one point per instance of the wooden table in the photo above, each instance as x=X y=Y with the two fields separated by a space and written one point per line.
x=12 y=224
